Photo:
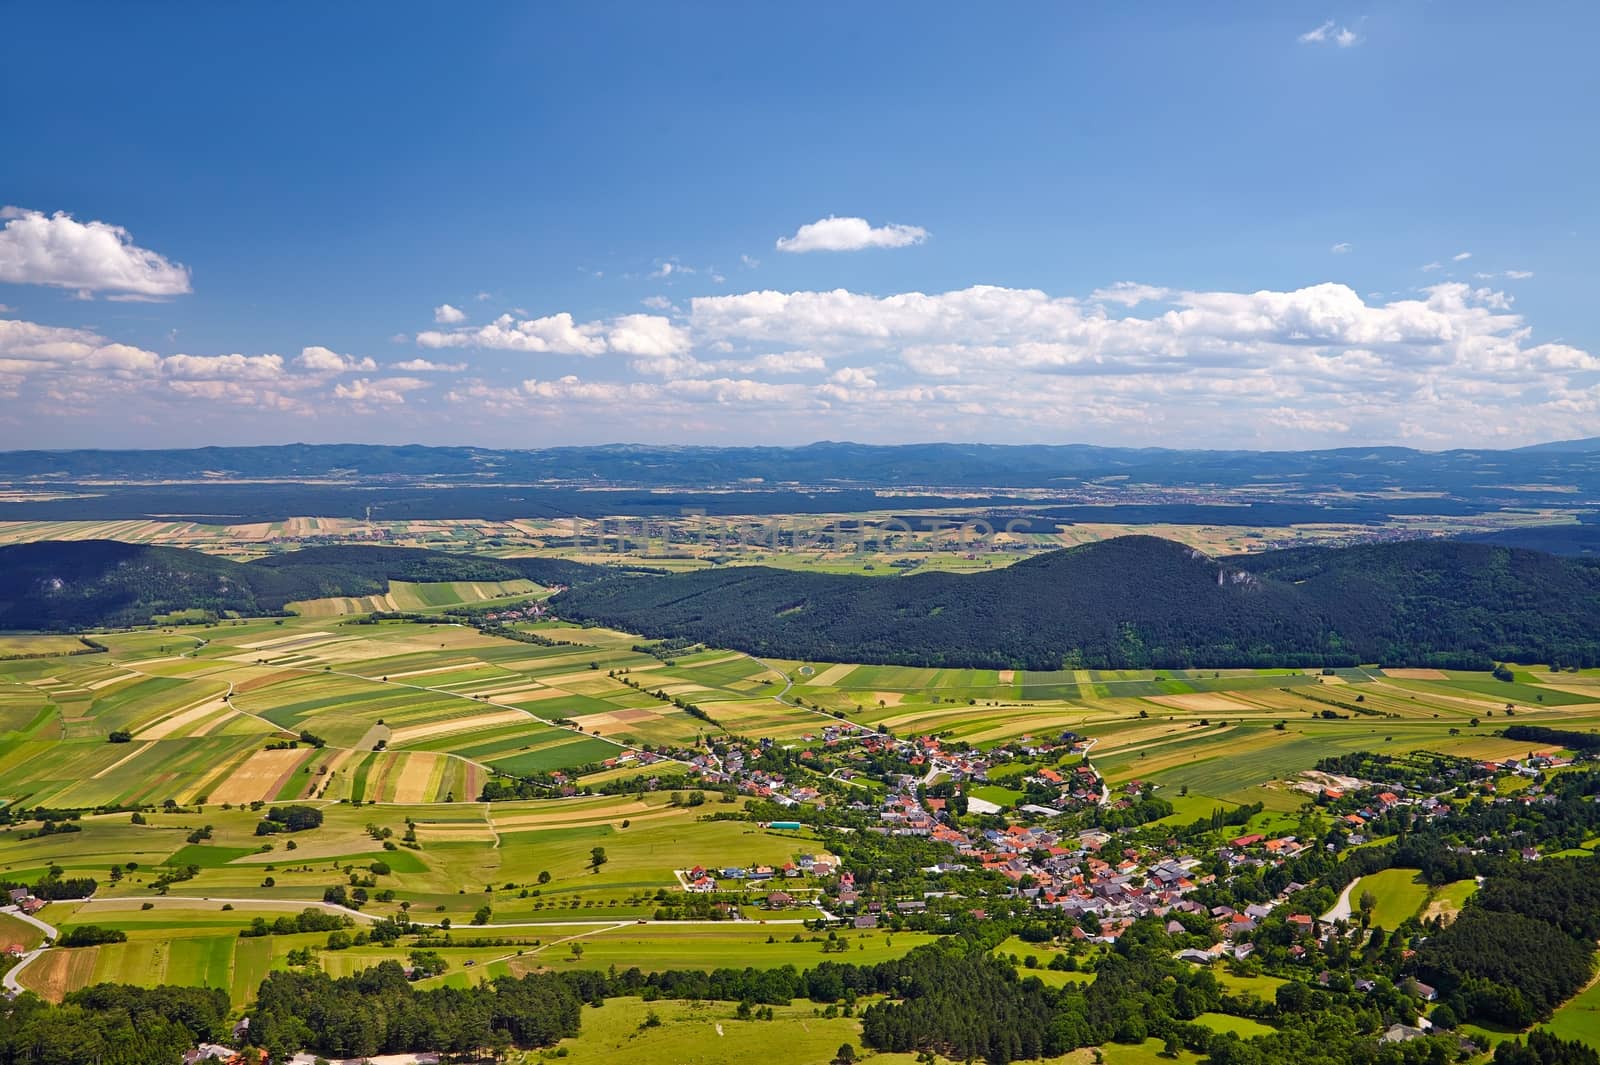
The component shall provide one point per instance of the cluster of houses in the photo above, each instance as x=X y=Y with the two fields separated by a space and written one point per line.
x=702 y=880
x=226 y=1055
x=24 y=901
x=520 y=612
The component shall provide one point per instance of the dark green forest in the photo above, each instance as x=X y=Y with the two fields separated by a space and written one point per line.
x=68 y=585
x=1139 y=601
x=1131 y=602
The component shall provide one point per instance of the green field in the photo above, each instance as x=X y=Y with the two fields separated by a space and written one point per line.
x=416 y=716
x=1579 y=1017
x=1400 y=896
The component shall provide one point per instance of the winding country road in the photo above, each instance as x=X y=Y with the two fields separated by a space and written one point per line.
x=10 y=979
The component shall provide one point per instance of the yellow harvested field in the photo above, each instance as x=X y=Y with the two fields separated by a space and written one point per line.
x=1006 y=676
x=55 y=972
x=262 y=774
x=1416 y=674
x=888 y=698
x=178 y=722
x=282 y=641
x=833 y=676
x=591 y=815
x=1200 y=701
x=106 y=682
x=456 y=724
x=416 y=775
x=456 y=833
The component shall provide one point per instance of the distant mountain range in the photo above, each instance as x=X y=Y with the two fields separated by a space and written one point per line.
x=831 y=464
x=1134 y=601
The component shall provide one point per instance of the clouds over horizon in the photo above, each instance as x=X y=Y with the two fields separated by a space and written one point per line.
x=1130 y=362
x=88 y=257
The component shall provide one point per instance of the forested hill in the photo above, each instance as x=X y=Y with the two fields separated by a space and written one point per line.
x=1139 y=601
x=63 y=585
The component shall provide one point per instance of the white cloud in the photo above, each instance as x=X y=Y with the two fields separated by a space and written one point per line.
x=483 y=297
x=669 y=267
x=318 y=359
x=1461 y=256
x=445 y=314
x=424 y=366
x=1519 y=275
x=87 y=257
x=557 y=333
x=646 y=335
x=1330 y=33
x=850 y=234
x=385 y=392
x=1341 y=248
x=748 y=262
x=223 y=367
x=657 y=303
x=1429 y=268
x=1129 y=293
x=853 y=377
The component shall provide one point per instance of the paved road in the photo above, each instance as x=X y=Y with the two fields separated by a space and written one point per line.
x=1341 y=909
x=300 y=904
x=10 y=980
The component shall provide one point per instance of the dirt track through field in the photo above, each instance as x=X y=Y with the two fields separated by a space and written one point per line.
x=178 y=722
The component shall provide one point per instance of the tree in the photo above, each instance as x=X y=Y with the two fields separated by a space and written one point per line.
x=846 y=1054
x=597 y=858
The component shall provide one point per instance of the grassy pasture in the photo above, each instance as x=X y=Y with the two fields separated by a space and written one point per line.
x=1579 y=1017
x=1400 y=895
x=706 y=1034
x=22 y=645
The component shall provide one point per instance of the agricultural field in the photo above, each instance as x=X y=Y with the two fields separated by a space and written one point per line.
x=408 y=720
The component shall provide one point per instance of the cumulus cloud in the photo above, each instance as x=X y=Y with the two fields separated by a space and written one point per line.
x=223 y=367
x=1330 y=33
x=1461 y=256
x=850 y=234
x=444 y=314
x=1129 y=293
x=321 y=360
x=88 y=257
x=1130 y=362
x=424 y=366
x=384 y=392
x=646 y=335
x=557 y=333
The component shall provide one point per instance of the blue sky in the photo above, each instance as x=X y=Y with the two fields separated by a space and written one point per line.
x=1166 y=225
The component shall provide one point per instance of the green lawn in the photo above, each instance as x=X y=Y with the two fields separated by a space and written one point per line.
x=1400 y=896
x=705 y=1033
x=1579 y=1018
x=1243 y=1027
